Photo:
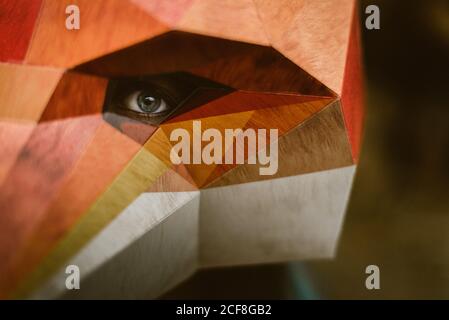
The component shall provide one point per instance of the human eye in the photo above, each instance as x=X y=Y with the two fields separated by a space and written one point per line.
x=152 y=99
x=146 y=101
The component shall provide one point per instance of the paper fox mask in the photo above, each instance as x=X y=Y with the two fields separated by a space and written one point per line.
x=85 y=172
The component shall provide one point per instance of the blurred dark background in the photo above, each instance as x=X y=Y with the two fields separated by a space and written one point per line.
x=398 y=216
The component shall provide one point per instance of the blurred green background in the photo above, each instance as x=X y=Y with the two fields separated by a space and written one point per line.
x=398 y=215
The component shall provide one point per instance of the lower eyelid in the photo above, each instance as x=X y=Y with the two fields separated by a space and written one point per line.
x=139 y=116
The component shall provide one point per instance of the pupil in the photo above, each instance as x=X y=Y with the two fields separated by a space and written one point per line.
x=148 y=103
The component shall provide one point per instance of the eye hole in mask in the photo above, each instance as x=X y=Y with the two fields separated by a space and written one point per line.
x=153 y=99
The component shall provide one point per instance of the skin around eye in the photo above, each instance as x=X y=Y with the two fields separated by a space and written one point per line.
x=144 y=102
